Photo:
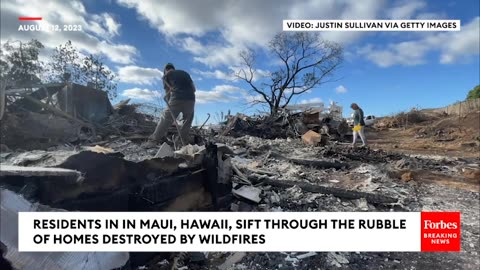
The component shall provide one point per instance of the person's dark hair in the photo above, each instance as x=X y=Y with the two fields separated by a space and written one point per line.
x=354 y=106
x=169 y=66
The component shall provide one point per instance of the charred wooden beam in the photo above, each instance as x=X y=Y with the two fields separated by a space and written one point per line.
x=321 y=164
x=210 y=162
x=9 y=170
x=337 y=192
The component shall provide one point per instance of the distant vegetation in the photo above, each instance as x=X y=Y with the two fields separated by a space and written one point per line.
x=474 y=93
x=21 y=67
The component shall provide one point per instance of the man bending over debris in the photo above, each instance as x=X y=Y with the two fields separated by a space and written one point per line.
x=358 y=124
x=180 y=98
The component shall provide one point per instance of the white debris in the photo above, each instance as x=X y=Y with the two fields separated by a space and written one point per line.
x=294 y=261
x=192 y=153
x=163 y=262
x=313 y=197
x=190 y=150
x=361 y=204
x=249 y=193
x=306 y=255
x=274 y=198
x=276 y=209
x=12 y=204
x=165 y=150
x=30 y=157
x=231 y=260
x=295 y=192
x=337 y=259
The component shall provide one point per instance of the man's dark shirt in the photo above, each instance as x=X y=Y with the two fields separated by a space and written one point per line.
x=181 y=84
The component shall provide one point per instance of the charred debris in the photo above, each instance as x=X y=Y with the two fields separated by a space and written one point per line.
x=66 y=148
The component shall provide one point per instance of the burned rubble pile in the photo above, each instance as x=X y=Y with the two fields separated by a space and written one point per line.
x=295 y=161
x=288 y=124
x=126 y=120
x=256 y=175
x=191 y=179
x=289 y=175
x=55 y=114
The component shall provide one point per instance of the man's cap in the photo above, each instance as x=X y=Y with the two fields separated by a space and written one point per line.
x=169 y=66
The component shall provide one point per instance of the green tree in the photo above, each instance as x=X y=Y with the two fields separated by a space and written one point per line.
x=98 y=75
x=305 y=62
x=20 y=63
x=474 y=93
x=65 y=59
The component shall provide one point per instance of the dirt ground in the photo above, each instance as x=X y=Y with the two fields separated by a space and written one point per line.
x=457 y=136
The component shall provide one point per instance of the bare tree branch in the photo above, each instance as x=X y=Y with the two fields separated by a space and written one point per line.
x=306 y=62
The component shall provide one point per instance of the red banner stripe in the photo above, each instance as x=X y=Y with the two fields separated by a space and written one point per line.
x=30 y=18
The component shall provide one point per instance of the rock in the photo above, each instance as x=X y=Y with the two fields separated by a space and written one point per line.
x=311 y=138
x=407 y=176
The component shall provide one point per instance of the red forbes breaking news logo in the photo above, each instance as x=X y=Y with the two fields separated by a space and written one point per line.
x=440 y=231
